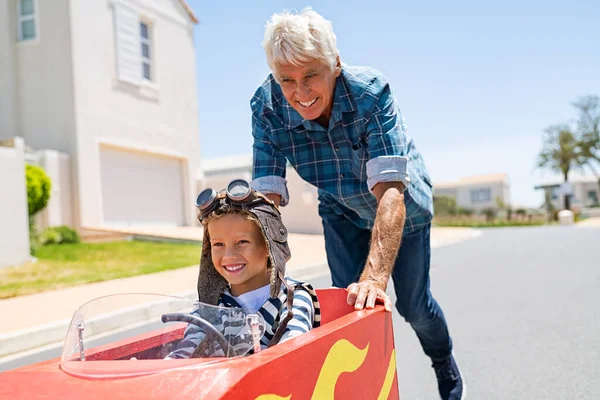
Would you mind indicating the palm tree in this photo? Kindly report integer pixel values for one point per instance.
(588, 129)
(561, 153)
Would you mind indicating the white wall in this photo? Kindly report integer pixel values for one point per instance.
(14, 229)
(8, 70)
(301, 215)
(156, 118)
(59, 209)
(44, 76)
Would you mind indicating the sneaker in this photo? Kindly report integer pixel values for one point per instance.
(450, 382)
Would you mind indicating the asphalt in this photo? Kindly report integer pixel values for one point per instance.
(522, 305)
(36, 324)
(24, 339)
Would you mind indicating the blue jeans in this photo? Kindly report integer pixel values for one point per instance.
(347, 249)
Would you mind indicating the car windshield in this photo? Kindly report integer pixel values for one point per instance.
(129, 333)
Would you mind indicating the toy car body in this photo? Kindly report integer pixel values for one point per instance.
(350, 356)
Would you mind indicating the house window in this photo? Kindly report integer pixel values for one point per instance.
(146, 42)
(26, 14)
(592, 198)
(481, 195)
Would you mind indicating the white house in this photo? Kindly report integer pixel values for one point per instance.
(476, 192)
(300, 215)
(583, 190)
(111, 86)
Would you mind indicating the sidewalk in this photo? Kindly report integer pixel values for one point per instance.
(590, 222)
(33, 320)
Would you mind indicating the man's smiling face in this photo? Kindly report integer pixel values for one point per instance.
(309, 88)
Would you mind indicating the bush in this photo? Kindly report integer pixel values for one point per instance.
(489, 213)
(68, 234)
(465, 211)
(59, 235)
(38, 188)
(444, 205)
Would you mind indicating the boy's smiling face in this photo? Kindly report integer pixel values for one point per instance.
(239, 252)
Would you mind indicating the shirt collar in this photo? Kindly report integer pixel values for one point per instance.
(342, 102)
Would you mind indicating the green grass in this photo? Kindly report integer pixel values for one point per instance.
(64, 265)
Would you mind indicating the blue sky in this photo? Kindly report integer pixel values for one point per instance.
(477, 81)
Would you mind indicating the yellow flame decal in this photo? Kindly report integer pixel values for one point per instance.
(389, 378)
(342, 357)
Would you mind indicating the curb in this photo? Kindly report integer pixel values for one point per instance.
(54, 333)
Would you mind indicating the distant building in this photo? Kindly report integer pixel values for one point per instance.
(476, 192)
(583, 189)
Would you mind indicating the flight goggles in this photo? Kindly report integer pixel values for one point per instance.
(238, 194)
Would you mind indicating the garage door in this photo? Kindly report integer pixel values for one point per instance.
(140, 189)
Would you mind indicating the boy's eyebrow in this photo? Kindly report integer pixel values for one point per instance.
(234, 234)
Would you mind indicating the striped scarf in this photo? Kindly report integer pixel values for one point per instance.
(232, 323)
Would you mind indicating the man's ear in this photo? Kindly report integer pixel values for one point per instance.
(338, 66)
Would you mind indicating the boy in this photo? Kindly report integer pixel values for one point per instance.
(244, 252)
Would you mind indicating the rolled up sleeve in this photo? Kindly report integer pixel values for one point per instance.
(387, 169)
(272, 184)
(268, 162)
(386, 143)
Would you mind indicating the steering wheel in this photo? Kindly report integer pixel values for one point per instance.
(211, 334)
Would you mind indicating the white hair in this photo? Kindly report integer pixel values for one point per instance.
(295, 39)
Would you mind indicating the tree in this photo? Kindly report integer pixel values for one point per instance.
(561, 152)
(588, 130)
(38, 194)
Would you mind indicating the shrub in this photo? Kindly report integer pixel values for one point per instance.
(465, 211)
(59, 235)
(68, 234)
(489, 213)
(50, 236)
(38, 188)
(444, 205)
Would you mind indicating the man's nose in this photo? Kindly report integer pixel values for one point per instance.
(303, 90)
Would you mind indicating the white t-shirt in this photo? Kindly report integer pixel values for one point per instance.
(252, 301)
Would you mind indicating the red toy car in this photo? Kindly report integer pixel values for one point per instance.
(111, 352)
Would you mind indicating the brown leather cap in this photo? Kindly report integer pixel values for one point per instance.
(210, 283)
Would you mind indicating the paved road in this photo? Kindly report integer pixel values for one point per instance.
(523, 306)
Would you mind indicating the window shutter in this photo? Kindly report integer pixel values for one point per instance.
(127, 33)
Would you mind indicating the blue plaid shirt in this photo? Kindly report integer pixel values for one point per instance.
(366, 143)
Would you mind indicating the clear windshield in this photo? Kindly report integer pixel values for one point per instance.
(126, 331)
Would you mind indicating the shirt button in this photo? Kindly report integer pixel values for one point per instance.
(337, 148)
(341, 176)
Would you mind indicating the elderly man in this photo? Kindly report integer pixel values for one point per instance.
(340, 128)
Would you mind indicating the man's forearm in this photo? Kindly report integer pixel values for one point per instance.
(386, 237)
(275, 198)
